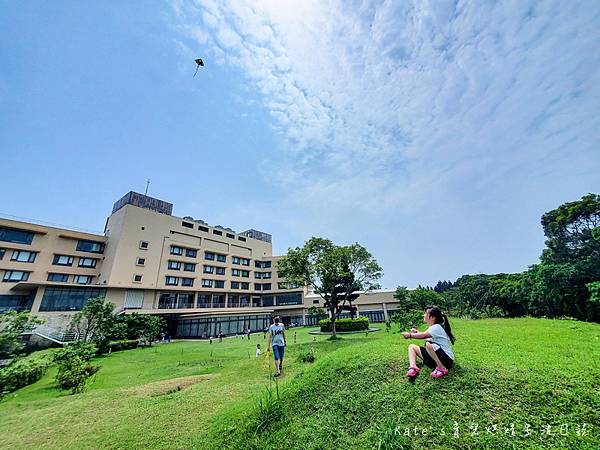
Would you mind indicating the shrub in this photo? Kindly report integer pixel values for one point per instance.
(74, 373)
(24, 371)
(307, 357)
(358, 324)
(407, 319)
(83, 350)
(126, 344)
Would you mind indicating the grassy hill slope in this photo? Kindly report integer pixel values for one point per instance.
(195, 395)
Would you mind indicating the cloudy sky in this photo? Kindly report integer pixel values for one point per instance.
(435, 133)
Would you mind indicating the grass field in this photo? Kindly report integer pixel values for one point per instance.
(524, 372)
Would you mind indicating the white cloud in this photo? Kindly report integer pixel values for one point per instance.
(388, 106)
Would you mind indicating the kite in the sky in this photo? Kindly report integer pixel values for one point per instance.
(199, 63)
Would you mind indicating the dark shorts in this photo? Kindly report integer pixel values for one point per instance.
(429, 362)
(278, 351)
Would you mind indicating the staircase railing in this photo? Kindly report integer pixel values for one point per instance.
(55, 335)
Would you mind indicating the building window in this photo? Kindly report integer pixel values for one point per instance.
(257, 264)
(62, 260)
(90, 247)
(187, 281)
(144, 245)
(208, 269)
(16, 236)
(222, 258)
(82, 279)
(266, 264)
(174, 265)
(220, 270)
(87, 262)
(220, 284)
(257, 286)
(2, 252)
(23, 256)
(245, 273)
(235, 260)
(258, 275)
(10, 302)
(189, 267)
(58, 277)
(207, 283)
(218, 233)
(235, 285)
(176, 250)
(245, 262)
(141, 261)
(187, 224)
(266, 286)
(315, 302)
(137, 278)
(171, 281)
(209, 255)
(243, 239)
(288, 299)
(230, 236)
(246, 286)
(191, 253)
(68, 298)
(266, 275)
(13, 276)
(236, 272)
(201, 228)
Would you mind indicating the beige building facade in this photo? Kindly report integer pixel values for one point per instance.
(205, 280)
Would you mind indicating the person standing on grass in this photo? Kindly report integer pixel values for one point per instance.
(277, 339)
(437, 352)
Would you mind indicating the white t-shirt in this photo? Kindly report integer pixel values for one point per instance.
(440, 337)
(258, 352)
(277, 334)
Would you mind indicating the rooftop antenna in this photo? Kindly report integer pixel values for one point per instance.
(147, 184)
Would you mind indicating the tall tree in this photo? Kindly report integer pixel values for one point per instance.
(95, 321)
(571, 229)
(336, 273)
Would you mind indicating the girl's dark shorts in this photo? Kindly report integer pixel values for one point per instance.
(429, 362)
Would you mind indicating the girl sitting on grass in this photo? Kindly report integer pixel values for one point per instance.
(437, 352)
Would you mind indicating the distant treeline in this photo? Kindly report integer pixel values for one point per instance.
(565, 283)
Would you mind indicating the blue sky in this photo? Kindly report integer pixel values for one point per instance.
(435, 133)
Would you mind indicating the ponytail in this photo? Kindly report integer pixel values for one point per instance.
(442, 319)
(446, 325)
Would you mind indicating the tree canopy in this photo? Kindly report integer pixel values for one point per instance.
(333, 272)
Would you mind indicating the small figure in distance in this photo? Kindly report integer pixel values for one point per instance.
(277, 339)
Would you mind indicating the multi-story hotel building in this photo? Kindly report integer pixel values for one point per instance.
(203, 279)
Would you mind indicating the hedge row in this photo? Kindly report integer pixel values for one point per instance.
(358, 324)
(24, 371)
(126, 344)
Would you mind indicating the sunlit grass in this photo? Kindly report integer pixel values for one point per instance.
(195, 395)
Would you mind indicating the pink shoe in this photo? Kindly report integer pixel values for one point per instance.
(412, 372)
(439, 372)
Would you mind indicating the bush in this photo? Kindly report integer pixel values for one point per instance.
(83, 350)
(307, 357)
(74, 373)
(408, 319)
(358, 324)
(25, 371)
(126, 344)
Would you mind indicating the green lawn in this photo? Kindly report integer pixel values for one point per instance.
(196, 395)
